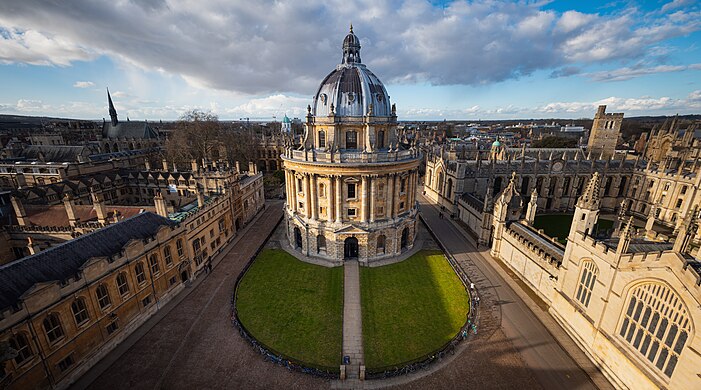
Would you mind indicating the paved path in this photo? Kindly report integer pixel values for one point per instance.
(352, 318)
(195, 346)
(541, 353)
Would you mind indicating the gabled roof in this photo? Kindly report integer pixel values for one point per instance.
(129, 129)
(55, 153)
(64, 261)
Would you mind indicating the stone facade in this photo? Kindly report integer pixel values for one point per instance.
(605, 132)
(351, 187)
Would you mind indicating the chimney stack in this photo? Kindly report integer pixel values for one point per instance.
(70, 209)
(19, 211)
(99, 205)
(160, 205)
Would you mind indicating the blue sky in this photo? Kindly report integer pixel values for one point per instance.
(438, 59)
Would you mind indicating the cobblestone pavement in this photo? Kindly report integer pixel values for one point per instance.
(195, 346)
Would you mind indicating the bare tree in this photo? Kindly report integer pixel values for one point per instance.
(197, 135)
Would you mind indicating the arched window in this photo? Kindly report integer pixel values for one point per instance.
(381, 244)
(320, 243)
(656, 324)
(122, 284)
(80, 311)
(586, 283)
(381, 139)
(167, 256)
(179, 247)
(53, 328)
(20, 344)
(351, 140)
(322, 139)
(153, 263)
(322, 190)
(140, 274)
(103, 296)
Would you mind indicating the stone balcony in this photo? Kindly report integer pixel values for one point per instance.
(352, 157)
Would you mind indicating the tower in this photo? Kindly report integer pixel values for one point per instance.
(586, 211)
(604, 133)
(351, 185)
(113, 112)
(286, 126)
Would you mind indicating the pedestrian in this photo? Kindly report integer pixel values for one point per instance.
(477, 301)
(472, 286)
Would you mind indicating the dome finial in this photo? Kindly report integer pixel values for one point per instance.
(351, 27)
(351, 48)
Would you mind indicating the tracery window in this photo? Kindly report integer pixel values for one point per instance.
(656, 324)
(586, 282)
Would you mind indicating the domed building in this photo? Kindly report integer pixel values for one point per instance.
(351, 186)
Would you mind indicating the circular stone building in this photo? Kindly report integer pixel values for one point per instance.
(351, 185)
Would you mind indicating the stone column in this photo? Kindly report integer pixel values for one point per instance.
(364, 199)
(307, 196)
(287, 190)
(294, 192)
(330, 209)
(373, 195)
(390, 196)
(339, 198)
(395, 205)
(314, 201)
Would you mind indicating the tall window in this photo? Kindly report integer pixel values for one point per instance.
(140, 274)
(402, 185)
(351, 140)
(80, 311)
(351, 190)
(381, 139)
(381, 244)
(322, 190)
(586, 283)
(103, 296)
(122, 284)
(656, 324)
(153, 263)
(322, 139)
(20, 344)
(179, 246)
(167, 256)
(53, 328)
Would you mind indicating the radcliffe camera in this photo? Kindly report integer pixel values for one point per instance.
(397, 194)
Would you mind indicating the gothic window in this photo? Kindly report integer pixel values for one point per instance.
(80, 311)
(351, 140)
(586, 282)
(103, 296)
(656, 324)
(322, 139)
(140, 274)
(122, 284)
(21, 345)
(53, 328)
(153, 263)
(351, 190)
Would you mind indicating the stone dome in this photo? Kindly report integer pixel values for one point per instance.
(351, 88)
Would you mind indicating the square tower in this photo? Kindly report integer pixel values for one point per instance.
(604, 133)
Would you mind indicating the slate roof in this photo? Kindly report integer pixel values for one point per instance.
(129, 129)
(56, 215)
(65, 260)
(55, 153)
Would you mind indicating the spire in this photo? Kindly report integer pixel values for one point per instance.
(113, 112)
(351, 48)
(590, 197)
(686, 232)
(532, 207)
(625, 237)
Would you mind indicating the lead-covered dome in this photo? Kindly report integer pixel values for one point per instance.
(351, 88)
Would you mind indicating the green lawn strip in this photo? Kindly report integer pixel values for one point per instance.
(410, 309)
(558, 225)
(293, 307)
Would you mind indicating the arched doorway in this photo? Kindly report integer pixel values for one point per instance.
(350, 248)
(405, 238)
(298, 239)
(183, 276)
(237, 223)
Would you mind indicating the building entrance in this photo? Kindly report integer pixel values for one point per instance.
(350, 248)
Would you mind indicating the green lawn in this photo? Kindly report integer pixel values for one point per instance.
(410, 308)
(293, 307)
(558, 225)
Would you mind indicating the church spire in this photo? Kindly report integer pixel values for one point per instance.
(113, 112)
(590, 197)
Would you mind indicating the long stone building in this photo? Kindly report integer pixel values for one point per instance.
(351, 186)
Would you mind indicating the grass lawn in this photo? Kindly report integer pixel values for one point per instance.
(293, 307)
(558, 225)
(410, 308)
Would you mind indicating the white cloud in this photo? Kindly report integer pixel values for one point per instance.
(267, 107)
(676, 4)
(262, 48)
(637, 71)
(83, 84)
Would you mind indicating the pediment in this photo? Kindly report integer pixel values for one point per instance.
(351, 229)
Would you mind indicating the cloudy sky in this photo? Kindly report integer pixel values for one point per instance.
(438, 59)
